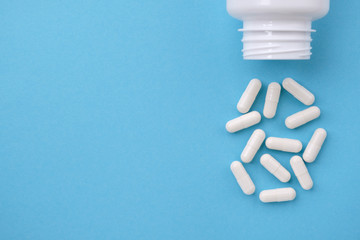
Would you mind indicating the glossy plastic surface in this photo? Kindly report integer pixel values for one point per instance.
(244, 121)
(298, 91)
(242, 177)
(275, 168)
(277, 29)
(277, 195)
(283, 144)
(248, 97)
(301, 172)
(314, 146)
(272, 100)
(300, 118)
(253, 145)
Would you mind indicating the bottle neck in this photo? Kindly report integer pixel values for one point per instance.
(277, 39)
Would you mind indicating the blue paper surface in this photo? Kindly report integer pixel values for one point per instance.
(113, 124)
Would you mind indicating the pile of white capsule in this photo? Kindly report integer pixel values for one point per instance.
(275, 143)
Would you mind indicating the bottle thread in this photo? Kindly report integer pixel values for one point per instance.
(277, 39)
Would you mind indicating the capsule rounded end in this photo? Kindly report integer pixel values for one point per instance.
(245, 157)
(289, 123)
(286, 177)
(269, 113)
(268, 142)
(299, 146)
(286, 81)
(310, 100)
(257, 83)
(321, 131)
(229, 127)
(234, 165)
(250, 191)
(260, 133)
(294, 160)
(308, 185)
(316, 110)
(257, 115)
(308, 157)
(242, 109)
(274, 85)
(262, 197)
(264, 158)
(292, 194)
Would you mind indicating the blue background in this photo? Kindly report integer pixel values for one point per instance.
(113, 124)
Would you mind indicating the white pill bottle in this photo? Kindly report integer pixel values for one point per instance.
(277, 29)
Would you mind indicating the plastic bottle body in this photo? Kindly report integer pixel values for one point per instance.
(277, 29)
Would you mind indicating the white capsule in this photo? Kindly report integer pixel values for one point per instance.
(242, 177)
(300, 118)
(298, 91)
(284, 144)
(272, 100)
(253, 145)
(275, 168)
(301, 172)
(314, 146)
(244, 121)
(277, 195)
(248, 97)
